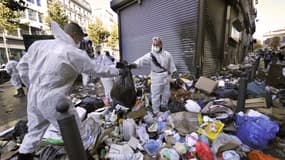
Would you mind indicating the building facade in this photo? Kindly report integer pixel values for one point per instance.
(32, 20)
(78, 11)
(202, 35)
(268, 37)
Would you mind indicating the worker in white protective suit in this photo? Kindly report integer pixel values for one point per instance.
(15, 77)
(162, 67)
(107, 82)
(51, 67)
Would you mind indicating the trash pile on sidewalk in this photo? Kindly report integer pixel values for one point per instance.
(204, 121)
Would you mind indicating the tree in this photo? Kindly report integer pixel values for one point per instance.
(97, 32)
(275, 43)
(56, 13)
(114, 38)
(10, 14)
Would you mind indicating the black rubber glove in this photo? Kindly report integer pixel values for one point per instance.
(132, 66)
(175, 75)
(120, 65)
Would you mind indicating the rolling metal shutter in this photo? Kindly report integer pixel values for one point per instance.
(175, 21)
(214, 36)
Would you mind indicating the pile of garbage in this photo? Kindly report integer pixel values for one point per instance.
(204, 121)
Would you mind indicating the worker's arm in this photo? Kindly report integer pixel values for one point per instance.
(8, 68)
(83, 64)
(23, 69)
(143, 61)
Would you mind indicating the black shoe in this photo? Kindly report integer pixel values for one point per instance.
(20, 93)
(28, 156)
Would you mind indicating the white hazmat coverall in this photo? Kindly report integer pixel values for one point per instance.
(13, 72)
(160, 80)
(51, 67)
(106, 81)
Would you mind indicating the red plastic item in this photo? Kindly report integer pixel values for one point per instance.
(203, 151)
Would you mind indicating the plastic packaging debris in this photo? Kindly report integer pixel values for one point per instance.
(180, 148)
(142, 134)
(52, 135)
(133, 143)
(148, 118)
(191, 139)
(177, 137)
(221, 83)
(253, 113)
(153, 127)
(152, 147)
(192, 106)
(169, 154)
(211, 130)
(119, 152)
(223, 140)
(129, 129)
(256, 132)
(184, 122)
(81, 112)
(231, 155)
(203, 151)
(255, 155)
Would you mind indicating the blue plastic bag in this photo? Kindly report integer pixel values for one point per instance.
(256, 132)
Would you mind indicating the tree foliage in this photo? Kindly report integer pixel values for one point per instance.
(97, 32)
(114, 37)
(56, 13)
(10, 14)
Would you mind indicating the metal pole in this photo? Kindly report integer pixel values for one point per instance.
(5, 45)
(70, 133)
(242, 93)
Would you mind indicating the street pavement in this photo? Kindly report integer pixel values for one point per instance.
(12, 108)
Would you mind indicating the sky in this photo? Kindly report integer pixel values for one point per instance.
(270, 16)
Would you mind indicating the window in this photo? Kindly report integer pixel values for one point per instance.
(32, 15)
(40, 17)
(39, 2)
(32, 1)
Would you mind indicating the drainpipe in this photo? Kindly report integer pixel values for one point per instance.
(200, 39)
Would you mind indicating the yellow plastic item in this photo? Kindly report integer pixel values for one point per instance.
(209, 131)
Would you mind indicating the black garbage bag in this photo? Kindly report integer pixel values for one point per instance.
(123, 91)
(176, 106)
(91, 103)
(19, 131)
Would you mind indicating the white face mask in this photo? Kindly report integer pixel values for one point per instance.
(155, 49)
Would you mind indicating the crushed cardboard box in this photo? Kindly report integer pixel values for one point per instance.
(205, 84)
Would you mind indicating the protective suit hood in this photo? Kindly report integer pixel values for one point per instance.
(60, 34)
